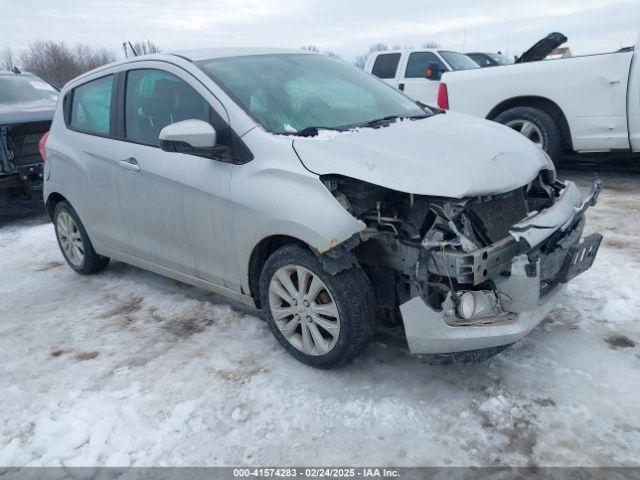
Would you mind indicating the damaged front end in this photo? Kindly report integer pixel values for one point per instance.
(472, 273)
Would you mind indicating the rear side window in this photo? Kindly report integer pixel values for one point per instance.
(419, 62)
(91, 106)
(386, 65)
(155, 99)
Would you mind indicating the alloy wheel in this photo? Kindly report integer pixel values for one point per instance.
(304, 310)
(70, 239)
(528, 129)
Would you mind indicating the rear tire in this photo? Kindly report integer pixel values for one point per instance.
(74, 242)
(550, 137)
(340, 308)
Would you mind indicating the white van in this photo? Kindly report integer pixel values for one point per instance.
(417, 72)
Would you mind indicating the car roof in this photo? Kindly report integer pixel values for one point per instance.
(212, 53)
(193, 56)
(403, 50)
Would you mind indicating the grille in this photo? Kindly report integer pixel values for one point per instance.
(496, 216)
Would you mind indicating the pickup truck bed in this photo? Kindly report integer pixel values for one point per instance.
(592, 102)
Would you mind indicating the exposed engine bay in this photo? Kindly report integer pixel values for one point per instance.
(458, 254)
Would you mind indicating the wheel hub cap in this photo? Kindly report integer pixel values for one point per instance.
(528, 129)
(304, 310)
(70, 239)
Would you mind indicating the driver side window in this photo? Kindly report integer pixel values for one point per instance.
(155, 99)
(419, 62)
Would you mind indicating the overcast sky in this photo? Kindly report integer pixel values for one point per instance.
(346, 27)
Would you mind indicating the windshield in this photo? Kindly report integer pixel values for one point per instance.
(287, 93)
(500, 59)
(17, 88)
(458, 61)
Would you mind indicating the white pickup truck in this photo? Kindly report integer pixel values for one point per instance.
(417, 72)
(584, 104)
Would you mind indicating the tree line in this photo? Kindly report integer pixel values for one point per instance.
(58, 62)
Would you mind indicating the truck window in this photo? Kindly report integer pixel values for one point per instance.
(386, 65)
(458, 61)
(418, 63)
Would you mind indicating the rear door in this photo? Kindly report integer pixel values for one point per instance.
(633, 100)
(88, 171)
(415, 82)
(176, 205)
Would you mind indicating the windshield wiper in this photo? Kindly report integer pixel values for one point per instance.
(313, 131)
(377, 122)
(380, 121)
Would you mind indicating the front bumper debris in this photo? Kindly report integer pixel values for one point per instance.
(529, 270)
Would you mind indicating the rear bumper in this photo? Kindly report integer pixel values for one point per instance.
(531, 289)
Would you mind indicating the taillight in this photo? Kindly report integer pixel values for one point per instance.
(443, 97)
(42, 146)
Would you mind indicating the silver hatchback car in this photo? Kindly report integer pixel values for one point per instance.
(299, 184)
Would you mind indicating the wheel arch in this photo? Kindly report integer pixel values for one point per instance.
(550, 107)
(54, 199)
(259, 255)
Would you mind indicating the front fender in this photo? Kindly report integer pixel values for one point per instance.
(274, 201)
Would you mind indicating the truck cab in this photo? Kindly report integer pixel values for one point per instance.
(417, 72)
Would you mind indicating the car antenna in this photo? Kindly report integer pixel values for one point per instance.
(135, 54)
(16, 70)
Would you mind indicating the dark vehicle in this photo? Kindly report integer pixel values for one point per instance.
(542, 48)
(489, 59)
(27, 104)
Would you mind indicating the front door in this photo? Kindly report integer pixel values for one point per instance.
(176, 205)
(416, 85)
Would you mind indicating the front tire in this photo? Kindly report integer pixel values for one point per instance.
(74, 242)
(321, 319)
(537, 126)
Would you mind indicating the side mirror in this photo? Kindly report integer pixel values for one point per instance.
(434, 71)
(194, 137)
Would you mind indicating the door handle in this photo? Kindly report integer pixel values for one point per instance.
(130, 164)
(401, 87)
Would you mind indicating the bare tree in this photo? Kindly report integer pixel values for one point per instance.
(315, 49)
(57, 63)
(376, 47)
(88, 58)
(6, 59)
(430, 44)
(145, 47)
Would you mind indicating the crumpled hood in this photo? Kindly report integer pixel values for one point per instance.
(447, 155)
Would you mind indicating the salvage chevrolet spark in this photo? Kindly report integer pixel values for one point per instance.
(301, 185)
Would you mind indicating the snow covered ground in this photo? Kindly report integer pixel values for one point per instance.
(129, 368)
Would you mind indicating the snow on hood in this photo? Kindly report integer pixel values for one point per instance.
(447, 155)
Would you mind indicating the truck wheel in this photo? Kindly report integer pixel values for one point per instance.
(537, 126)
(74, 241)
(321, 319)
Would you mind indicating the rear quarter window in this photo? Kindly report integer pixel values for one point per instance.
(386, 65)
(91, 106)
